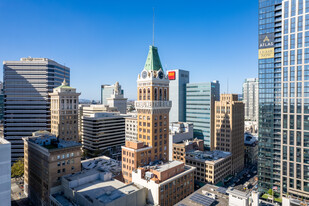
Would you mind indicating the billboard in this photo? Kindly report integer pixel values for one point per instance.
(266, 46)
(172, 75)
(266, 53)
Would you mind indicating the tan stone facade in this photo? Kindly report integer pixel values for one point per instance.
(229, 127)
(180, 149)
(211, 167)
(64, 113)
(46, 160)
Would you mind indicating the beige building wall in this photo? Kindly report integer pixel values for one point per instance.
(64, 112)
(229, 127)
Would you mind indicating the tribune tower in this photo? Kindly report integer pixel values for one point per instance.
(153, 108)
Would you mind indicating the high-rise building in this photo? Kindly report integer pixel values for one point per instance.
(283, 97)
(46, 160)
(178, 80)
(250, 97)
(117, 100)
(113, 96)
(27, 84)
(103, 133)
(64, 112)
(229, 129)
(180, 149)
(294, 99)
(145, 161)
(5, 172)
(269, 63)
(200, 101)
(152, 107)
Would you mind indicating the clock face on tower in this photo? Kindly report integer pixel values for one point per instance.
(161, 75)
(144, 74)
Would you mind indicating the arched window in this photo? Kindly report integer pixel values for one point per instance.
(156, 94)
(160, 94)
(140, 94)
(165, 94)
(148, 94)
(144, 94)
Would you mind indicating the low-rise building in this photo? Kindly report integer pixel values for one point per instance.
(167, 183)
(179, 132)
(180, 149)
(238, 198)
(103, 133)
(5, 172)
(251, 149)
(134, 154)
(46, 160)
(211, 166)
(211, 194)
(131, 126)
(96, 185)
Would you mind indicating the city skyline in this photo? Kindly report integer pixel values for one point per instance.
(93, 35)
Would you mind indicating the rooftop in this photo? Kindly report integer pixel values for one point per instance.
(212, 192)
(165, 166)
(250, 139)
(238, 193)
(106, 191)
(213, 156)
(50, 141)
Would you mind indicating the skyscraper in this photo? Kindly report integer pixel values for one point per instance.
(153, 108)
(250, 96)
(229, 134)
(178, 80)
(145, 160)
(269, 164)
(200, 101)
(64, 112)
(295, 102)
(26, 101)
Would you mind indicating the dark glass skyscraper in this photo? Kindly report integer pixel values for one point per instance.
(270, 16)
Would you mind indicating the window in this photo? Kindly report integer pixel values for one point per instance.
(299, 73)
(286, 42)
(306, 55)
(299, 40)
(292, 29)
(300, 23)
(299, 56)
(292, 43)
(292, 57)
(300, 6)
(286, 26)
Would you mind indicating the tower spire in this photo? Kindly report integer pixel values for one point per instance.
(153, 22)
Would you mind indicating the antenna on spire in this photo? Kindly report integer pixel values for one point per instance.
(227, 86)
(153, 22)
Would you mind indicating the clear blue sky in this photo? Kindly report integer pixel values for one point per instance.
(104, 41)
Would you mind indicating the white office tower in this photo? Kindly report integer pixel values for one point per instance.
(250, 92)
(117, 100)
(5, 172)
(26, 101)
(178, 80)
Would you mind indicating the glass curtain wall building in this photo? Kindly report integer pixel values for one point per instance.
(200, 101)
(270, 16)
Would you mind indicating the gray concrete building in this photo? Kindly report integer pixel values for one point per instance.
(26, 102)
(113, 96)
(177, 86)
(5, 172)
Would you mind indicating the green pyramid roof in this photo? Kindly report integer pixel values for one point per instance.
(153, 62)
